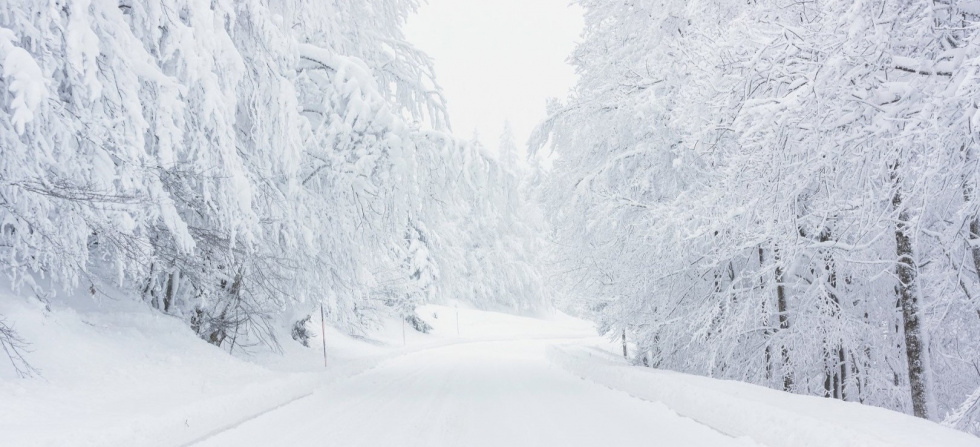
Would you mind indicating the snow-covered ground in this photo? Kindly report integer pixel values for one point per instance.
(117, 374)
(497, 393)
(768, 417)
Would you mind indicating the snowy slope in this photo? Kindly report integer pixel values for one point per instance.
(117, 373)
(767, 416)
(126, 376)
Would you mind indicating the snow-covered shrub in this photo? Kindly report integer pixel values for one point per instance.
(418, 324)
(301, 332)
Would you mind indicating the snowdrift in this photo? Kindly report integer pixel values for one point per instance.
(766, 416)
(116, 373)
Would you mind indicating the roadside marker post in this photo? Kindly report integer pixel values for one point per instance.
(323, 333)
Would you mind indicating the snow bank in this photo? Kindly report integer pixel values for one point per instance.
(764, 415)
(115, 373)
(126, 376)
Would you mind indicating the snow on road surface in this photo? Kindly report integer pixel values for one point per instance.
(496, 393)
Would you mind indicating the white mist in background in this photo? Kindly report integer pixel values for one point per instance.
(498, 61)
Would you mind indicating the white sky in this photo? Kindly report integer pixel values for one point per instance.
(498, 60)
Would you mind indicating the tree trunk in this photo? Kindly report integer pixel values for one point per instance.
(842, 364)
(828, 385)
(969, 193)
(974, 240)
(782, 309)
(909, 302)
(625, 353)
(766, 322)
(836, 367)
(171, 291)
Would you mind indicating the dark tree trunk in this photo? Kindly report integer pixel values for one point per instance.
(767, 323)
(836, 366)
(625, 353)
(828, 384)
(969, 195)
(782, 308)
(909, 302)
(842, 364)
(168, 298)
(974, 241)
(974, 235)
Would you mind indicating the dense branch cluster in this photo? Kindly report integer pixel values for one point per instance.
(237, 163)
(781, 192)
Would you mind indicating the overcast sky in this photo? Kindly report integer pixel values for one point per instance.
(498, 60)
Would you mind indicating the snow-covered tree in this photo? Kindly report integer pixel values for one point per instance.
(778, 192)
(235, 164)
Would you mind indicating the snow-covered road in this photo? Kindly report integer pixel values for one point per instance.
(489, 393)
(123, 376)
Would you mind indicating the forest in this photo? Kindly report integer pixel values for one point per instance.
(779, 192)
(236, 172)
(785, 193)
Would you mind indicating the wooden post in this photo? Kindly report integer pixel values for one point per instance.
(323, 334)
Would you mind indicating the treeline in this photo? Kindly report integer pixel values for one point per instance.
(780, 192)
(237, 163)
